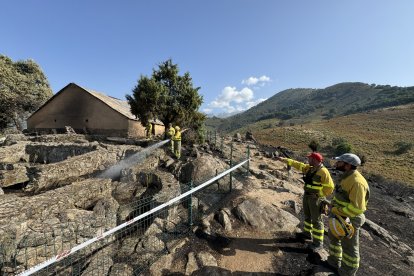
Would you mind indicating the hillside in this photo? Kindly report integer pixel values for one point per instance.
(304, 104)
(373, 134)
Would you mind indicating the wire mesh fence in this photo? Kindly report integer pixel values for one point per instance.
(131, 249)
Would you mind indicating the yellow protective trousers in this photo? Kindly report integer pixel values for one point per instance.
(313, 224)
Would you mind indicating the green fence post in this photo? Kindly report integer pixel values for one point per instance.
(215, 139)
(231, 165)
(190, 206)
(248, 162)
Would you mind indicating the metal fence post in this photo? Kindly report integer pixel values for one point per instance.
(215, 138)
(231, 165)
(190, 206)
(248, 162)
(221, 146)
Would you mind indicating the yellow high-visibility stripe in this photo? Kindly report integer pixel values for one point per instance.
(317, 236)
(336, 254)
(314, 187)
(307, 229)
(308, 223)
(336, 247)
(351, 259)
(353, 265)
(317, 230)
(327, 184)
(343, 203)
(354, 210)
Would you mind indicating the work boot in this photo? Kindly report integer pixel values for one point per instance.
(330, 266)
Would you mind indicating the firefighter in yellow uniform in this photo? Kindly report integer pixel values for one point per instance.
(318, 185)
(349, 203)
(170, 134)
(177, 142)
(148, 130)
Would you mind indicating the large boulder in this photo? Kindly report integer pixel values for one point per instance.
(264, 216)
(202, 169)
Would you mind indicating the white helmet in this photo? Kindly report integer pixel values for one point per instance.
(349, 158)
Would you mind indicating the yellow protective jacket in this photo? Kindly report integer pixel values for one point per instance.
(171, 132)
(177, 136)
(322, 182)
(351, 195)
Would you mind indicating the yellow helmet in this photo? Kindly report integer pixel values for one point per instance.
(340, 227)
(177, 128)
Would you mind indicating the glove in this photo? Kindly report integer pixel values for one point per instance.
(324, 208)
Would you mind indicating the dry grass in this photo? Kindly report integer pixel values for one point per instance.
(372, 134)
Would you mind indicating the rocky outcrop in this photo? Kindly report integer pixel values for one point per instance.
(33, 229)
(264, 216)
(12, 174)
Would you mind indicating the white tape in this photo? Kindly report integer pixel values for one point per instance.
(66, 253)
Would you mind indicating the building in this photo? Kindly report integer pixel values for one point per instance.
(88, 111)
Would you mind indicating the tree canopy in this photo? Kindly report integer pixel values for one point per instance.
(167, 96)
(23, 89)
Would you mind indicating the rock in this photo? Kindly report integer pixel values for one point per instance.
(366, 234)
(218, 271)
(249, 136)
(224, 219)
(264, 216)
(191, 264)
(161, 266)
(121, 269)
(292, 204)
(263, 166)
(18, 174)
(237, 137)
(387, 238)
(202, 169)
(100, 263)
(12, 139)
(169, 162)
(206, 259)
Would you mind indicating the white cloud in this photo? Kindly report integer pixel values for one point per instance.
(253, 103)
(254, 80)
(230, 94)
(207, 110)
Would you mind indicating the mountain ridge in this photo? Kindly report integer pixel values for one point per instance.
(298, 105)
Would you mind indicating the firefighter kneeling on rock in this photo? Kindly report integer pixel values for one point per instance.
(347, 216)
(318, 185)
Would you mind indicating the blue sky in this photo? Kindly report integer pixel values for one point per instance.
(239, 52)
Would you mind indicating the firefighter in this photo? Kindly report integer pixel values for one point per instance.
(149, 130)
(318, 185)
(349, 204)
(177, 142)
(170, 135)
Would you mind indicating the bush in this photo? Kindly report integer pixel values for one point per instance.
(402, 147)
(313, 145)
(343, 147)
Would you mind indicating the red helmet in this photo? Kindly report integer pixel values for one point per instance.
(316, 156)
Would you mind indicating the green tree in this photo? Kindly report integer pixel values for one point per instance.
(167, 96)
(23, 89)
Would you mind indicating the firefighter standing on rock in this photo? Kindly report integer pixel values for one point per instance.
(347, 216)
(318, 185)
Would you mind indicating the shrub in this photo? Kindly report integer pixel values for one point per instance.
(313, 145)
(343, 147)
(402, 147)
